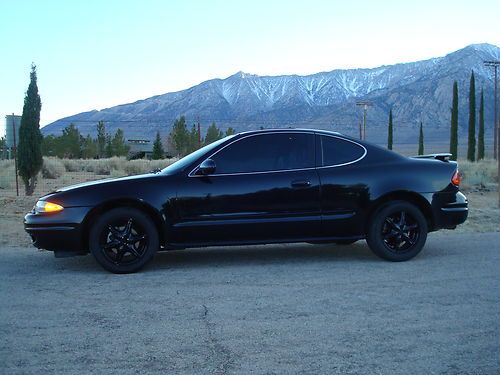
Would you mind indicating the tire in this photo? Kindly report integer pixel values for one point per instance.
(397, 231)
(123, 240)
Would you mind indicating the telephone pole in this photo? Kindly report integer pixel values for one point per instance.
(496, 127)
(199, 132)
(14, 151)
(365, 104)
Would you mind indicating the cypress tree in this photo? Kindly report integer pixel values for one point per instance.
(390, 130)
(480, 135)
(157, 148)
(421, 141)
(454, 123)
(30, 139)
(471, 146)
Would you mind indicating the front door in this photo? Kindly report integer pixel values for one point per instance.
(265, 188)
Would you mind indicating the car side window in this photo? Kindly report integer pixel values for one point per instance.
(267, 152)
(337, 151)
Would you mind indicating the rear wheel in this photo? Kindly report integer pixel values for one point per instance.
(123, 240)
(397, 231)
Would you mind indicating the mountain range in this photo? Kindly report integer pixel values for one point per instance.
(416, 92)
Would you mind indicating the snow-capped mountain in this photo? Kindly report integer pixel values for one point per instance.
(418, 91)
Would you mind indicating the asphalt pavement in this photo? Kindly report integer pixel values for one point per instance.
(278, 309)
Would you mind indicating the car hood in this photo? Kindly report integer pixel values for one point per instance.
(104, 181)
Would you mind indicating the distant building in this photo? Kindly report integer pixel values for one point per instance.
(12, 124)
(140, 148)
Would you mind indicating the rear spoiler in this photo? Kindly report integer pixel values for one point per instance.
(441, 156)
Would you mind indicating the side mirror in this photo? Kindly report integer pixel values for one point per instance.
(207, 167)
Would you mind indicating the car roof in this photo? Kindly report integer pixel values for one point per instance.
(294, 130)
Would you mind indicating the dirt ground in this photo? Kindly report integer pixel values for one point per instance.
(484, 216)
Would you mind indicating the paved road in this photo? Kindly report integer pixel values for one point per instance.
(263, 310)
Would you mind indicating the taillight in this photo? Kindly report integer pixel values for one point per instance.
(457, 178)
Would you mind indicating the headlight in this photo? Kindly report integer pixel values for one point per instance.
(44, 206)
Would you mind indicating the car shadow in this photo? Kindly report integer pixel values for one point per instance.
(262, 255)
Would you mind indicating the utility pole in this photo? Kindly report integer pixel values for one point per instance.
(495, 65)
(14, 150)
(199, 132)
(496, 127)
(365, 104)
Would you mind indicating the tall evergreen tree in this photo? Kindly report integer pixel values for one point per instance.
(390, 131)
(213, 134)
(30, 139)
(108, 149)
(71, 142)
(230, 131)
(101, 139)
(89, 147)
(118, 144)
(421, 140)
(158, 152)
(471, 145)
(454, 123)
(194, 139)
(180, 136)
(480, 135)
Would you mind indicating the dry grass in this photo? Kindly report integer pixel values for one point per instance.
(57, 172)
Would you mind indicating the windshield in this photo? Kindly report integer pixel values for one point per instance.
(192, 157)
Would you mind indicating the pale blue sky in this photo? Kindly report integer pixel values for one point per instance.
(95, 54)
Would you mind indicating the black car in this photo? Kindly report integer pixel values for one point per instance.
(267, 186)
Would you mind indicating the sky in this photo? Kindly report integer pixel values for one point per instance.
(95, 54)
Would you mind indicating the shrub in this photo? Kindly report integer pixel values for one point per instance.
(52, 168)
(7, 174)
(72, 165)
(481, 173)
(137, 166)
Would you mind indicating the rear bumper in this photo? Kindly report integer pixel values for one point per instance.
(450, 209)
(60, 232)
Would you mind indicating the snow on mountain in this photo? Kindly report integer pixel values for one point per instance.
(418, 91)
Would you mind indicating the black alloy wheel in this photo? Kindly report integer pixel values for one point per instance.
(123, 240)
(397, 231)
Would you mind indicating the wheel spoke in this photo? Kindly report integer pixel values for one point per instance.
(114, 231)
(402, 221)
(111, 244)
(137, 238)
(390, 235)
(134, 251)
(391, 222)
(408, 239)
(128, 228)
(119, 255)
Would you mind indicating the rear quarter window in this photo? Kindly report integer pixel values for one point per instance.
(338, 151)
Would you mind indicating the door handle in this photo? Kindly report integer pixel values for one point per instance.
(301, 183)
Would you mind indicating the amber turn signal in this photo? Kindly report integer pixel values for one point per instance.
(44, 206)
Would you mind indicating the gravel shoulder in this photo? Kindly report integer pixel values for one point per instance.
(280, 309)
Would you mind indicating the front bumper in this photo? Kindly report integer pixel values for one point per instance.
(450, 209)
(59, 232)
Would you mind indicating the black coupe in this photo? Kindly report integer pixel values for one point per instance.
(267, 186)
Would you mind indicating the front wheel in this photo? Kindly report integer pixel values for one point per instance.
(123, 240)
(397, 231)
